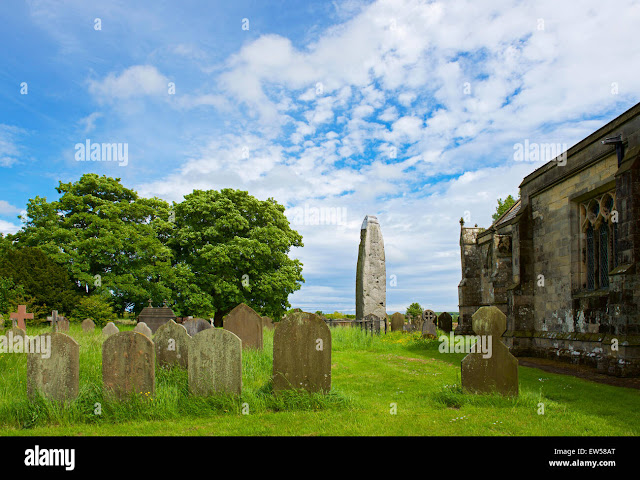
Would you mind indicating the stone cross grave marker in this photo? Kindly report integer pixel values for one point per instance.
(302, 354)
(128, 366)
(20, 316)
(215, 363)
(172, 345)
(429, 316)
(57, 377)
(498, 372)
(246, 324)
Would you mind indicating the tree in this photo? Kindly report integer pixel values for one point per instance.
(39, 277)
(414, 310)
(234, 248)
(503, 206)
(110, 240)
(94, 307)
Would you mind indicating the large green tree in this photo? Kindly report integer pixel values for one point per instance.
(234, 248)
(111, 241)
(503, 206)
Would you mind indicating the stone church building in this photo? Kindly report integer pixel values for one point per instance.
(562, 263)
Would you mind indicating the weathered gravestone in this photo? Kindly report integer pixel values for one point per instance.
(20, 316)
(142, 328)
(154, 317)
(430, 316)
(429, 329)
(397, 322)
(497, 373)
(58, 322)
(172, 345)
(196, 325)
(54, 374)
(215, 363)
(371, 277)
(128, 366)
(110, 329)
(374, 324)
(246, 324)
(88, 325)
(302, 354)
(267, 323)
(445, 322)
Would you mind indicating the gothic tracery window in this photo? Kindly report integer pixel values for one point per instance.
(599, 225)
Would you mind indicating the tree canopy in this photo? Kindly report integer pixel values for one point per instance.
(503, 206)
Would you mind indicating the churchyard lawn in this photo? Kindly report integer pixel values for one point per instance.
(394, 384)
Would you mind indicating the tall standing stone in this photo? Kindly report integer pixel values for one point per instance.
(128, 365)
(499, 372)
(445, 322)
(215, 363)
(172, 345)
(57, 377)
(397, 322)
(371, 275)
(302, 354)
(246, 324)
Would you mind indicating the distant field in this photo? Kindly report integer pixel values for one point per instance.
(396, 384)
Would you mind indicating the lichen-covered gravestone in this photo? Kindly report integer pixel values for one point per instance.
(110, 329)
(397, 322)
(172, 345)
(57, 377)
(215, 363)
(302, 354)
(429, 329)
(128, 366)
(445, 322)
(88, 325)
(371, 277)
(246, 324)
(497, 373)
(142, 328)
(196, 325)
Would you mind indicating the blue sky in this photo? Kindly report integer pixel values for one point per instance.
(404, 109)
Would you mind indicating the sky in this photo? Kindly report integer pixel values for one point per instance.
(403, 109)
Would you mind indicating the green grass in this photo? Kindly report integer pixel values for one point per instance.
(398, 384)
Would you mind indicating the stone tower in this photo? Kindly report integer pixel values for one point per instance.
(371, 276)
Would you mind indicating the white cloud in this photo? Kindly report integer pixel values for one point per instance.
(135, 81)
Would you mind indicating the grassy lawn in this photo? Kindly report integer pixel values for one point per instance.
(396, 384)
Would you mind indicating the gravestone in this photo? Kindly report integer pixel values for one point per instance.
(128, 365)
(429, 329)
(154, 317)
(430, 316)
(445, 322)
(20, 316)
(371, 277)
(267, 323)
(15, 331)
(196, 325)
(215, 363)
(142, 328)
(56, 378)
(62, 325)
(397, 322)
(172, 345)
(302, 354)
(374, 324)
(246, 324)
(88, 325)
(110, 329)
(499, 372)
